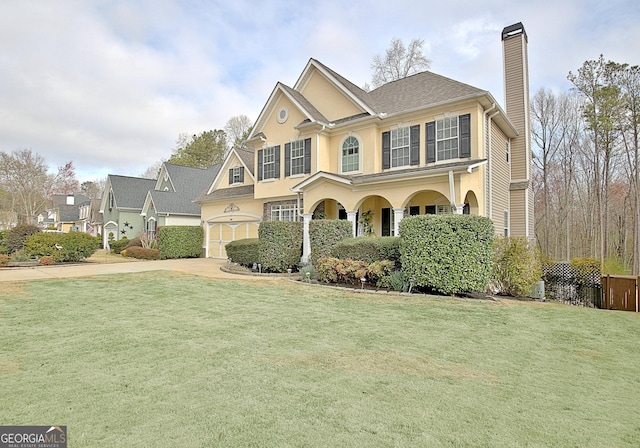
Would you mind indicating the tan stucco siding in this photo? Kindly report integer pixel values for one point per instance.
(215, 211)
(232, 162)
(330, 102)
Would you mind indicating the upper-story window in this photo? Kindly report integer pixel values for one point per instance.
(350, 154)
(269, 162)
(297, 157)
(449, 138)
(236, 175)
(401, 147)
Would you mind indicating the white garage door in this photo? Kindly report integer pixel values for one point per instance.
(224, 232)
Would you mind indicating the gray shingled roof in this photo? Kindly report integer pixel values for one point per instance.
(189, 183)
(247, 158)
(130, 192)
(418, 91)
(227, 193)
(174, 203)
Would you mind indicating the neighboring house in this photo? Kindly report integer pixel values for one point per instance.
(131, 205)
(121, 206)
(90, 217)
(170, 203)
(421, 145)
(64, 214)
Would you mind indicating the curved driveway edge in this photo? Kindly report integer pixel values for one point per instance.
(205, 267)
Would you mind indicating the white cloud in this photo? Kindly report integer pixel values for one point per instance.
(111, 85)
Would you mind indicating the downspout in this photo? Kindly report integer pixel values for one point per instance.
(490, 166)
(486, 152)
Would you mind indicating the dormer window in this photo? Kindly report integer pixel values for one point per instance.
(236, 175)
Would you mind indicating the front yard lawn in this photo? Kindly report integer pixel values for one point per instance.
(168, 360)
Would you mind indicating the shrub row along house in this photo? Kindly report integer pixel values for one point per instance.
(325, 148)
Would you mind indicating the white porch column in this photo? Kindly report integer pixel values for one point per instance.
(398, 215)
(206, 239)
(351, 217)
(306, 241)
(458, 209)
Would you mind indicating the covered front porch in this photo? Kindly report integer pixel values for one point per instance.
(375, 205)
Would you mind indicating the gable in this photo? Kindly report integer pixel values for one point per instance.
(164, 180)
(236, 159)
(333, 102)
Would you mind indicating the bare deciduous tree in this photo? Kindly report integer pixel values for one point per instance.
(399, 62)
(237, 130)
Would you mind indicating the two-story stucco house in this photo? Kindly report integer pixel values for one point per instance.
(425, 144)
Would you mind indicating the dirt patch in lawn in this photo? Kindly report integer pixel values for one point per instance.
(388, 362)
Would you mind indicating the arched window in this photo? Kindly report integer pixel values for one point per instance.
(350, 155)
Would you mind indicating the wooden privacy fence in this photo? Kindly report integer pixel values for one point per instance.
(620, 292)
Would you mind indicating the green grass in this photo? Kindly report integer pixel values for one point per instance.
(162, 360)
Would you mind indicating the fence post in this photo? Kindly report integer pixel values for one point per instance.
(637, 281)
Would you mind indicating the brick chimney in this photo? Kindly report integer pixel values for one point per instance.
(516, 84)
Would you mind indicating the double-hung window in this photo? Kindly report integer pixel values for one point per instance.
(297, 157)
(269, 163)
(447, 138)
(401, 147)
(400, 154)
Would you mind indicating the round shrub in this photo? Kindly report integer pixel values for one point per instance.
(516, 266)
(4, 260)
(244, 252)
(117, 245)
(17, 236)
(46, 260)
(141, 253)
(134, 242)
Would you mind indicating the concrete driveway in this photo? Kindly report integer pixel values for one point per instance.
(206, 267)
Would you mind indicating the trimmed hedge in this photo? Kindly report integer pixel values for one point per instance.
(180, 241)
(141, 253)
(74, 246)
(244, 252)
(325, 234)
(448, 254)
(280, 245)
(368, 249)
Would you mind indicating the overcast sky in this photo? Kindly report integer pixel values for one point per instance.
(110, 85)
